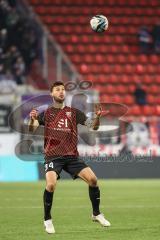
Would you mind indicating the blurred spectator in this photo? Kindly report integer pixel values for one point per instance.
(12, 18)
(11, 57)
(145, 40)
(7, 83)
(140, 95)
(19, 70)
(156, 37)
(3, 39)
(12, 3)
(1, 61)
(20, 43)
(29, 46)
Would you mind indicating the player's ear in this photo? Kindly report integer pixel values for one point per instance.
(51, 94)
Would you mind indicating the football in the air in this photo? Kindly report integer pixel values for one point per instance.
(99, 23)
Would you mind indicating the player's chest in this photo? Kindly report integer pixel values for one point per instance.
(60, 120)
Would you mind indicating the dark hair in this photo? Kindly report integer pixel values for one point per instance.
(55, 84)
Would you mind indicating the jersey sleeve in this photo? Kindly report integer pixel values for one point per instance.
(41, 118)
(80, 117)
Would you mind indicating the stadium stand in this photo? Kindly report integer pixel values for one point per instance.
(112, 60)
(19, 44)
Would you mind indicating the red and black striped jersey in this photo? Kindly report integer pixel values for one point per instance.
(60, 130)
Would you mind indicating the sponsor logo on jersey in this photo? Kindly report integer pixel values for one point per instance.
(68, 114)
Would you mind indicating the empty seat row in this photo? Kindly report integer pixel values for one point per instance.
(51, 18)
(114, 68)
(134, 109)
(123, 78)
(110, 89)
(129, 99)
(147, 110)
(121, 59)
(86, 29)
(132, 3)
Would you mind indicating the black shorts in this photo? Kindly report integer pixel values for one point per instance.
(71, 164)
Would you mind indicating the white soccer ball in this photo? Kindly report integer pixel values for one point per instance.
(99, 23)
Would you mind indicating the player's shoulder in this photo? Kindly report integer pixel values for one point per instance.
(49, 109)
(74, 110)
(68, 108)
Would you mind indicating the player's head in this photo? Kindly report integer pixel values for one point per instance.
(58, 91)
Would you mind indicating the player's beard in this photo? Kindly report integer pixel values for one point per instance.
(58, 100)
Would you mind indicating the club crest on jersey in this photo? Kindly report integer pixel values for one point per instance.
(68, 114)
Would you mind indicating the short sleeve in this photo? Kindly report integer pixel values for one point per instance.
(41, 118)
(80, 117)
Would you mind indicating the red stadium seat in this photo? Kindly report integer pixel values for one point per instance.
(121, 89)
(90, 77)
(157, 79)
(129, 99)
(143, 59)
(110, 58)
(147, 79)
(106, 69)
(99, 59)
(118, 39)
(40, 9)
(63, 39)
(129, 69)
(132, 59)
(135, 79)
(126, 79)
(131, 88)
(148, 110)
(113, 79)
(46, 2)
(117, 99)
(70, 49)
(134, 110)
(34, 1)
(151, 99)
(153, 89)
(110, 89)
(81, 49)
(85, 39)
(76, 58)
(118, 69)
(157, 110)
(84, 68)
(150, 69)
(154, 59)
(105, 98)
(74, 39)
(102, 78)
(121, 58)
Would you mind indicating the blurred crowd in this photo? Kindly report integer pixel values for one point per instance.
(150, 40)
(18, 43)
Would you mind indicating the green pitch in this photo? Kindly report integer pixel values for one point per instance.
(132, 207)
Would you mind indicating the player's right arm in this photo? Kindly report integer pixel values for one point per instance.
(33, 122)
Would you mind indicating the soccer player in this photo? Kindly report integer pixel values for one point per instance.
(60, 148)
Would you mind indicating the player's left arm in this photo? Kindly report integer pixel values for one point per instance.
(90, 122)
(98, 113)
(94, 123)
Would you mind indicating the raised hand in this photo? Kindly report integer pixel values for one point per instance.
(33, 114)
(98, 109)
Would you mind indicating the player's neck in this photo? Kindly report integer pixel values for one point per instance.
(58, 105)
